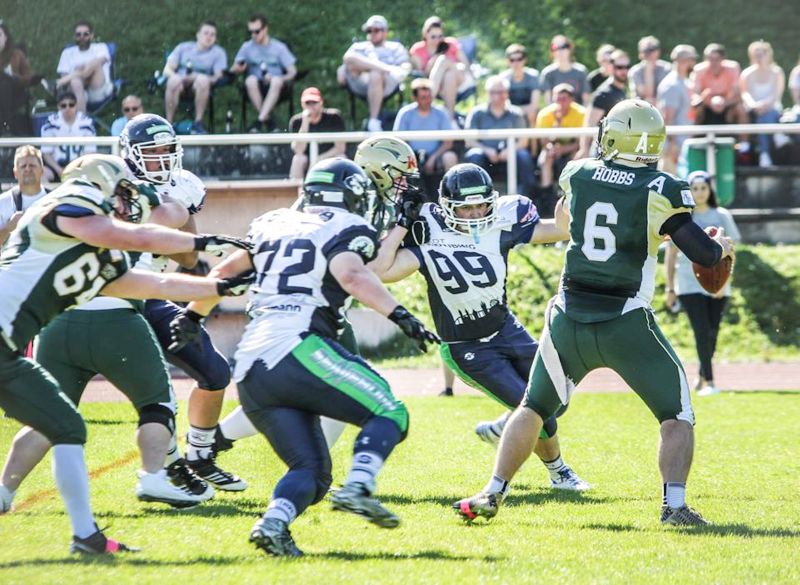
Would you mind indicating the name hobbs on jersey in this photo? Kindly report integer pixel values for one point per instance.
(616, 176)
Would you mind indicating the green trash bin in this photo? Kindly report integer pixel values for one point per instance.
(725, 175)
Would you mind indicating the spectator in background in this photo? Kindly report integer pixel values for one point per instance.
(269, 64)
(555, 153)
(314, 118)
(131, 106)
(612, 91)
(194, 66)
(68, 121)
(435, 157)
(374, 68)
(491, 154)
(675, 100)
(762, 85)
(794, 84)
(703, 309)
(523, 82)
(604, 67)
(650, 71)
(441, 60)
(563, 69)
(16, 77)
(716, 98)
(85, 68)
(28, 170)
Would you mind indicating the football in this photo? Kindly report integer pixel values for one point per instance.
(713, 278)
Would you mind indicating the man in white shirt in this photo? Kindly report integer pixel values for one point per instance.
(28, 169)
(85, 68)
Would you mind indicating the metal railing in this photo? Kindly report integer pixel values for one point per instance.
(511, 137)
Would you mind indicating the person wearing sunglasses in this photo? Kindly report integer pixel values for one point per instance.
(67, 121)
(604, 67)
(194, 66)
(612, 91)
(269, 65)
(523, 82)
(564, 69)
(85, 68)
(650, 71)
(374, 68)
(131, 107)
(314, 118)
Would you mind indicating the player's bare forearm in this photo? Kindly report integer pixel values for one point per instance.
(547, 231)
(237, 263)
(187, 260)
(136, 284)
(562, 215)
(104, 232)
(388, 251)
(170, 214)
(361, 283)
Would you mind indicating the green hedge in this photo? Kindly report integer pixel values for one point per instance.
(761, 322)
(320, 32)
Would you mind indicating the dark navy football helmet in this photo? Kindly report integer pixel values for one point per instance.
(339, 182)
(142, 136)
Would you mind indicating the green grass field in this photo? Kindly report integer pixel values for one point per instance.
(745, 480)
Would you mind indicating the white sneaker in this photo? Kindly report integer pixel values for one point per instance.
(374, 125)
(764, 160)
(488, 432)
(156, 487)
(6, 499)
(780, 139)
(709, 390)
(568, 480)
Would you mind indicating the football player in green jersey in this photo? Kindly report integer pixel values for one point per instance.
(63, 253)
(618, 209)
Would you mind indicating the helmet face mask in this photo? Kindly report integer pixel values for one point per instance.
(339, 182)
(391, 164)
(108, 174)
(633, 130)
(467, 185)
(151, 148)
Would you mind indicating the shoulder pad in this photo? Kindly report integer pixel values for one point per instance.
(187, 189)
(676, 190)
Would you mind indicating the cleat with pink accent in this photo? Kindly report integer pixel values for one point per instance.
(98, 544)
(481, 505)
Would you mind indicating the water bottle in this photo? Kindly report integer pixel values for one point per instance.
(263, 68)
(228, 121)
(422, 158)
(189, 68)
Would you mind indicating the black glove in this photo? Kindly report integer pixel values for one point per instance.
(236, 285)
(409, 206)
(184, 329)
(413, 327)
(218, 244)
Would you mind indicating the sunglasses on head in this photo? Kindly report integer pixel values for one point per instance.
(65, 105)
(255, 31)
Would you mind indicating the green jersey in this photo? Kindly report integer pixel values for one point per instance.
(616, 214)
(44, 272)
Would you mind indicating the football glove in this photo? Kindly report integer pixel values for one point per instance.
(413, 327)
(216, 245)
(236, 286)
(409, 206)
(184, 329)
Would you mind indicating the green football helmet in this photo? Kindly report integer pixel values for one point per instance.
(109, 174)
(391, 165)
(632, 130)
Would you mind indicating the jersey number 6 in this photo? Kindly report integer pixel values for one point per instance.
(599, 243)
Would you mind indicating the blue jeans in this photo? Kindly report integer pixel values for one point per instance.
(768, 117)
(524, 167)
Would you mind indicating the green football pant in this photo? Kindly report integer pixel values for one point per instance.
(30, 395)
(632, 345)
(117, 343)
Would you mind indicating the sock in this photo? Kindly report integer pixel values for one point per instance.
(282, 509)
(173, 453)
(497, 485)
(366, 466)
(332, 429)
(674, 494)
(6, 498)
(200, 442)
(554, 466)
(72, 479)
(237, 426)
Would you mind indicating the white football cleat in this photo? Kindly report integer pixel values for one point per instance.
(708, 390)
(156, 487)
(6, 499)
(488, 432)
(568, 480)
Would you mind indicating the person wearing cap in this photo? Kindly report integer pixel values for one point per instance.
(650, 71)
(555, 153)
(435, 156)
(523, 82)
(314, 118)
(374, 68)
(67, 121)
(612, 91)
(682, 289)
(675, 100)
(564, 69)
(269, 65)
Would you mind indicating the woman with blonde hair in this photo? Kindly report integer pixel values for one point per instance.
(442, 60)
(564, 69)
(762, 86)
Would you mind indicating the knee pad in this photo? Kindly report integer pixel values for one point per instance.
(157, 413)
